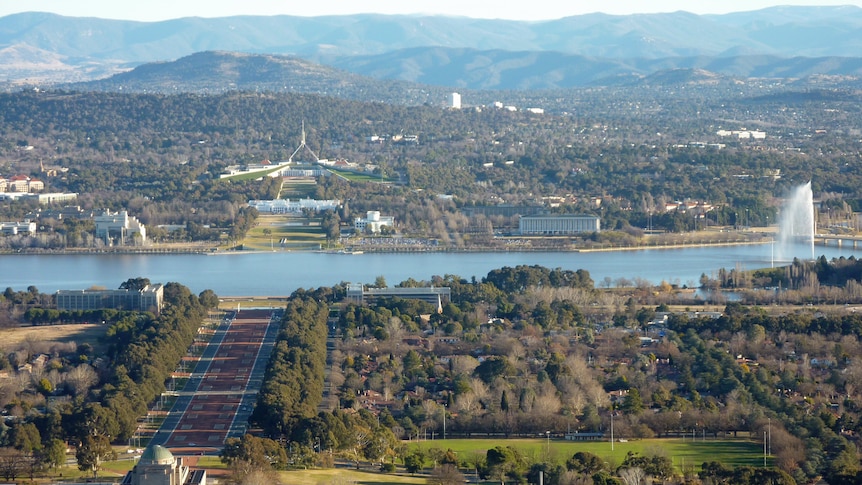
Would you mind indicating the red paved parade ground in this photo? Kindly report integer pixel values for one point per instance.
(217, 395)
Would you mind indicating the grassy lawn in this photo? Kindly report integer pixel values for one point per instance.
(295, 232)
(684, 453)
(258, 302)
(360, 177)
(252, 176)
(78, 333)
(300, 188)
(345, 476)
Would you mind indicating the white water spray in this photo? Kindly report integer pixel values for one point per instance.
(796, 222)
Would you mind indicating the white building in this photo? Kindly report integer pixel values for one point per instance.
(120, 225)
(558, 224)
(373, 222)
(13, 228)
(455, 101)
(284, 206)
(263, 168)
(743, 134)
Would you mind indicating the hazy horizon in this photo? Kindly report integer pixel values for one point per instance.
(157, 10)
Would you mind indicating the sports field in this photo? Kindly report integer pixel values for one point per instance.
(684, 453)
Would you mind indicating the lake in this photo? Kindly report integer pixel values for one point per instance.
(280, 273)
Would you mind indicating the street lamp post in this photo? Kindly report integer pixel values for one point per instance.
(612, 428)
(548, 435)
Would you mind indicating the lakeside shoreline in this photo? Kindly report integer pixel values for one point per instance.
(357, 250)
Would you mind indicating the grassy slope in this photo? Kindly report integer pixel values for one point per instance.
(282, 227)
(684, 453)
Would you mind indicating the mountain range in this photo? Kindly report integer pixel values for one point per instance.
(456, 52)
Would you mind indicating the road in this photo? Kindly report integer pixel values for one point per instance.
(220, 394)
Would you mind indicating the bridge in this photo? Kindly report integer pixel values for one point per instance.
(837, 240)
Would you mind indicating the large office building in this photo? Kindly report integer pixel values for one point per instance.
(119, 225)
(435, 295)
(150, 298)
(284, 206)
(455, 101)
(558, 224)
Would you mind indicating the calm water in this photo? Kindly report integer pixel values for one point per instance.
(280, 273)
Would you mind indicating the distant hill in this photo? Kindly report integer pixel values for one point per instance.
(496, 69)
(452, 51)
(217, 72)
(432, 73)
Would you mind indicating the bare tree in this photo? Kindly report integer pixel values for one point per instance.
(81, 378)
(467, 402)
(632, 476)
(13, 463)
(258, 477)
(464, 364)
(547, 403)
(447, 475)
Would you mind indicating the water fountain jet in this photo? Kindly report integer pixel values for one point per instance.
(796, 223)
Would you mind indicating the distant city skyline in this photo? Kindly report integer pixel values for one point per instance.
(154, 10)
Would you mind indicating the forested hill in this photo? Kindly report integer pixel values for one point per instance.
(217, 72)
(428, 74)
(786, 42)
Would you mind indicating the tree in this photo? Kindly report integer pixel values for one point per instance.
(502, 462)
(135, 284)
(92, 452)
(414, 461)
(53, 454)
(493, 367)
(632, 476)
(632, 403)
(447, 475)
(208, 299)
(13, 462)
(25, 437)
(259, 453)
(586, 463)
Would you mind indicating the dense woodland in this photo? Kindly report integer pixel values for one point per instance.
(157, 155)
(528, 349)
(90, 397)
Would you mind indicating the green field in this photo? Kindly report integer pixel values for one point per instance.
(252, 176)
(360, 177)
(683, 453)
(298, 188)
(298, 233)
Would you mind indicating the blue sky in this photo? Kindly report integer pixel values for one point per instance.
(150, 10)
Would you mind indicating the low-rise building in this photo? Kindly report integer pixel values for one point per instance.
(435, 295)
(119, 225)
(25, 184)
(558, 224)
(373, 222)
(149, 298)
(13, 228)
(284, 206)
